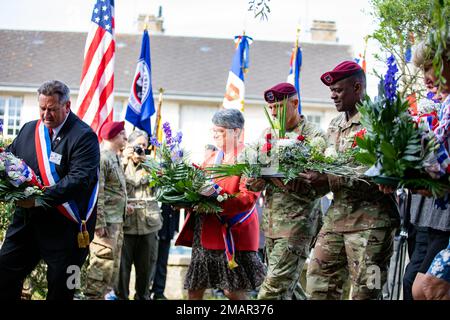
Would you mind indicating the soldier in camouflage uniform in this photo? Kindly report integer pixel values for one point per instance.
(291, 212)
(105, 248)
(140, 228)
(357, 234)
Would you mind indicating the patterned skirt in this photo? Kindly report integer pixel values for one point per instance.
(440, 267)
(209, 268)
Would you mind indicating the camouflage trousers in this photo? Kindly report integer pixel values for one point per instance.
(104, 262)
(284, 266)
(363, 254)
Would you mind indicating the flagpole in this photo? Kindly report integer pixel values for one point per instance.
(297, 37)
(158, 118)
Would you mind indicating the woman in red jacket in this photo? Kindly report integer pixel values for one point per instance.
(224, 247)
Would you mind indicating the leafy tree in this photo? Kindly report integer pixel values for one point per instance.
(260, 8)
(438, 38)
(401, 23)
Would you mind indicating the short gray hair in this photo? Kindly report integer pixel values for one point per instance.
(136, 134)
(229, 118)
(424, 53)
(52, 87)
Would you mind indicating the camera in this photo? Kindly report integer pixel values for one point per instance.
(138, 150)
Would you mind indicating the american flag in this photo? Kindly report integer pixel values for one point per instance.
(95, 99)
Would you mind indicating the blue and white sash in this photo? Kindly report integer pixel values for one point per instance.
(50, 177)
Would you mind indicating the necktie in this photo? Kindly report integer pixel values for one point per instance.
(50, 131)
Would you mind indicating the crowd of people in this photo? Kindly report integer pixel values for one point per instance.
(344, 244)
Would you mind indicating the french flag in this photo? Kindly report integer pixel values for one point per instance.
(235, 89)
(294, 72)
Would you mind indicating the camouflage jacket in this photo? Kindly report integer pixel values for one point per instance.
(289, 209)
(146, 217)
(357, 205)
(112, 193)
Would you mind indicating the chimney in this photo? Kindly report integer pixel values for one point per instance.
(154, 23)
(324, 31)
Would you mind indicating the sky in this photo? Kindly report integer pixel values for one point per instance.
(204, 18)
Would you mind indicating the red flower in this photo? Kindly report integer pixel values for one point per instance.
(268, 137)
(300, 138)
(360, 134)
(266, 148)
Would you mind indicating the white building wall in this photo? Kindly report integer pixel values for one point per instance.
(30, 109)
(196, 125)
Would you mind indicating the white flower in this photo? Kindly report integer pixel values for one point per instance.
(249, 155)
(29, 191)
(427, 106)
(318, 143)
(222, 197)
(13, 175)
(291, 135)
(285, 142)
(330, 152)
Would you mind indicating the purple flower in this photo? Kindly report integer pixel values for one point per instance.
(430, 96)
(1, 126)
(390, 82)
(178, 137)
(180, 154)
(154, 142)
(408, 54)
(167, 132)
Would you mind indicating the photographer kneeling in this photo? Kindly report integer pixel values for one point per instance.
(140, 246)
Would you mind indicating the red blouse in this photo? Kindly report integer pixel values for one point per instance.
(245, 234)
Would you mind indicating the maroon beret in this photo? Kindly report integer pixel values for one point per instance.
(279, 92)
(341, 71)
(111, 129)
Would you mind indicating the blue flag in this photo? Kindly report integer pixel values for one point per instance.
(294, 73)
(140, 104)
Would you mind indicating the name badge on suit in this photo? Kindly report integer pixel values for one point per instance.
(55, 158)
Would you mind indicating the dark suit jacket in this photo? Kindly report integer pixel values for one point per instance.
(79, 147)
(170, 224)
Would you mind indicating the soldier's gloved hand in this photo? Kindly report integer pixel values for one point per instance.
(255, 184)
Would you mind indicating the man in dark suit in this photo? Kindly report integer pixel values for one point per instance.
(43, 231)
